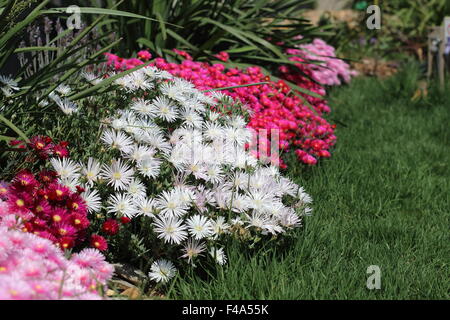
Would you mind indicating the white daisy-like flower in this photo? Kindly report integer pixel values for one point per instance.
(117, 140)
(236, 136)
(149, 167)
(70, 182)
(286, 186)
(121, 205)
(237, 221)
(241, 180)
(171, 204)
(257, 219)
(214, 174)
(162, 271)
(307, 211)
(218, 255)
(9, 83)
(213, 131)
(260, 201)
(192, 119)
(65, 168)
(90, 77)
(239, 203)
(237, 122)
(289, 219)
(213, 116)
(220, 226)
(145, 206)
(122, 82)
(119, 124)
(193, 249)
(165, 109)
(199, 227)
(152, 72)
(92, 199)
(165, 75)
(91, 171)
(63, 89)
(172, 91)
(136, 189)
(144, 108)
(67, 106)
(118, 174)
(137, 80)
(170, 229)
(303, 197)
(185, 194)
(140, 153)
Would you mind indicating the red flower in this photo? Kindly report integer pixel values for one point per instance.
(66, 243)
(59, 215)
(47, 176)
(79, 221)
(99, 242)
(125, 220)
(61, 151)
(110, 227)
(80, 189)
(41, 207)
(42, 146)
(58, 192)
(25, 179)
(76, 204)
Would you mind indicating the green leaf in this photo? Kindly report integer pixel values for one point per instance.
(103, 11)
(30, 49)
(14, 128)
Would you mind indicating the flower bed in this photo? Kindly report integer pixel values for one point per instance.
(273, 105)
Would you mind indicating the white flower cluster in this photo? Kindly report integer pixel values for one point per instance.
(216, 188)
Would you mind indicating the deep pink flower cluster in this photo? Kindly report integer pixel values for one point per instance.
(34, 268)
(43, 147)
(48, 209)
(331, 71)
(274, 105)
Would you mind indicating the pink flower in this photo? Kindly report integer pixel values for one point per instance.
(33, 268)
(224, 56)
(144, 55)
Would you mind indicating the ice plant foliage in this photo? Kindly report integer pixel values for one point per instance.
(178, 164)
(34, 268)
(274, 105)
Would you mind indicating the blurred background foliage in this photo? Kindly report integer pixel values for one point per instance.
(251, 31)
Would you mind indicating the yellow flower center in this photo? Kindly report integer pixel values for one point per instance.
(117, 175)
(20, 202)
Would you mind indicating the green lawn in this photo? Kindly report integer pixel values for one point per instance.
(382, 199)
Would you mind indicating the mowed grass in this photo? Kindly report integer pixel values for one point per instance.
(382, 199)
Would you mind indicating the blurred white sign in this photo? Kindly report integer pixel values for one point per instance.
(447, 28)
